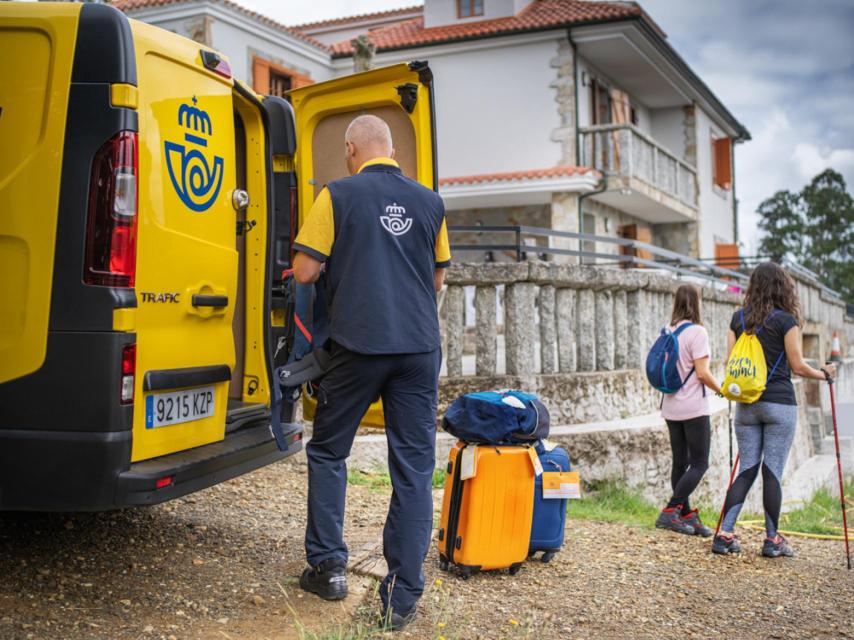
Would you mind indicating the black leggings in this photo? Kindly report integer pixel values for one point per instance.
(689, 442)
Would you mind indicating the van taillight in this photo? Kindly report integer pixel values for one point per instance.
(128, 371)
(112, 219)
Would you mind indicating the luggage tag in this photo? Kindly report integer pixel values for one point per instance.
(561, 485)
(535, 460)
(468, 463)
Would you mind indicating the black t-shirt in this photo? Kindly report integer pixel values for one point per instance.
(779, 387)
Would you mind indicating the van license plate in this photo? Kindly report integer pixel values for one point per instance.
(164, 409)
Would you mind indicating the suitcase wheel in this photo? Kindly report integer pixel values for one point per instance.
(547, 556)
(443, 564)
(514, 568)
(465, 573)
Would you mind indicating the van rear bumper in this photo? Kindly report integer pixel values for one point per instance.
(90, 471)
(187, 471)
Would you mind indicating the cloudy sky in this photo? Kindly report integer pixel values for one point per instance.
(785, 68)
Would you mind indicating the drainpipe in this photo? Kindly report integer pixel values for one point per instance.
(734, 199)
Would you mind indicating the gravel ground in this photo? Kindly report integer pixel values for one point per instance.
(223, 563)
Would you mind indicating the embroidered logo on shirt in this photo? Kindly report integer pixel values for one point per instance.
(394, 221)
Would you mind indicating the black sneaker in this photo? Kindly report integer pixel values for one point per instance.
(670, 518)
(776, 547)
(327, 580)
(397, 621)
(723, 545)
(693, 518)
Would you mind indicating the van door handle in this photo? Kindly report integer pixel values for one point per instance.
(203, 300)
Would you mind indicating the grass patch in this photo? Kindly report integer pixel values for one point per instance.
(821, 515)
(613, 501)
(380, 480)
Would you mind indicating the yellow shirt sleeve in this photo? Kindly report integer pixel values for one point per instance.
(317, 234)
(443, 247)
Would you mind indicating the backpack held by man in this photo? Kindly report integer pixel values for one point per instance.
(746, 370)
(662, 360)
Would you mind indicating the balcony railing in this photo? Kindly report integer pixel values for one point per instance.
(626, 151)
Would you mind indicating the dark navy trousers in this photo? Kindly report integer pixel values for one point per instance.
(408, 385)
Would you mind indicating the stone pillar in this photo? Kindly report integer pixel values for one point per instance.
(638, 328)
(455, 328)
(564, 217)
(604, 331)
(519, 333)
(586, 339)
(484, 305)
(548, 333)
(565, 302)
(621, 330)
(564, 85)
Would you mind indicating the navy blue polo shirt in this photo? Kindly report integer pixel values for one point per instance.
(382, 235)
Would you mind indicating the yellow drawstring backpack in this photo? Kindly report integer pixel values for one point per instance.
(746, 371)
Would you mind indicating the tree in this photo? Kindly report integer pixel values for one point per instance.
(814, 227)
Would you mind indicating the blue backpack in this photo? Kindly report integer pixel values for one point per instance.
(661, 370)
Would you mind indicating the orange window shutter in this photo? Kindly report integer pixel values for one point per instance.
(723, 162)
(261, 76)
(298, 81)
(726, 256)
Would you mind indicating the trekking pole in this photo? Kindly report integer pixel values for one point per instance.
(839, 468)
(728, 487)
(729, 419)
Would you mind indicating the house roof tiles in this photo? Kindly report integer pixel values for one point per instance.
(560, 171)
(134, 5)
(537, 16)
(377, 15)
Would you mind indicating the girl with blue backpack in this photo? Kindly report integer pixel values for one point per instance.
(678, 366)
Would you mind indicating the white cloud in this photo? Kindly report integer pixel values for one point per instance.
(811, 160)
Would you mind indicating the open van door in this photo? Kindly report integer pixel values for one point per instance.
(402, 95)
(38, 51)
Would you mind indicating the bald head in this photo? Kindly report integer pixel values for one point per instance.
(367, 137)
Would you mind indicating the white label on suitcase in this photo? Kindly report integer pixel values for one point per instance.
(563, 485)
(468, 463)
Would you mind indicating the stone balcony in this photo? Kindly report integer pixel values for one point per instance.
(643, 178)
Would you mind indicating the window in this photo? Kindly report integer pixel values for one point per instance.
(722, 163)
(469, 8)
(274, 80)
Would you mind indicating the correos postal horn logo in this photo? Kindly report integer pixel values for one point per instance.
(394, 222)
(195, 177)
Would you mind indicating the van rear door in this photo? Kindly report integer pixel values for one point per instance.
(400, 94)
(37, 50)
(186, 257)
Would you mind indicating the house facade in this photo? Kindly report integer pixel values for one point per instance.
(567, 114)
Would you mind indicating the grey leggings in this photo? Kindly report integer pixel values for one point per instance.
(765, 431)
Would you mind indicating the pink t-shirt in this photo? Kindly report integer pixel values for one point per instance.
(689, 402)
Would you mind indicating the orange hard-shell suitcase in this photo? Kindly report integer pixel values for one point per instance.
(486, 519)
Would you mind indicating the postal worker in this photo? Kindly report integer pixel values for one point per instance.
(383, 239)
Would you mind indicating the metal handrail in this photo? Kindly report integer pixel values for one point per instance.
(677, 262)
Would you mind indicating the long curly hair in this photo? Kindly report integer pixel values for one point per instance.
(770, 288)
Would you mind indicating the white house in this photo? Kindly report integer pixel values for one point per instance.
(567, 114)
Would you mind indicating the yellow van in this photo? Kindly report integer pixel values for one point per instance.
(148, 201)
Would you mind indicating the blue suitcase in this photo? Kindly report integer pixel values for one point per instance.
(549, 515)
